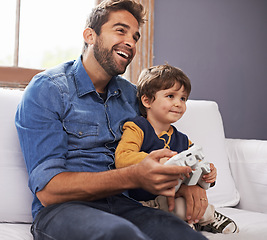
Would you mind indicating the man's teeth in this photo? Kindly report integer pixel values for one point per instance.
(123, 54)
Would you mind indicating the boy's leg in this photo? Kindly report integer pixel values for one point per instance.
(208, 216)
(179, 207)
(160, 202)
(211, 221)
(78, 220)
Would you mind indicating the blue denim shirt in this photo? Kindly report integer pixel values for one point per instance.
(65, 126)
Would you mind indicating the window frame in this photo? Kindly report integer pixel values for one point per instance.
(18, 77)
(144, 51)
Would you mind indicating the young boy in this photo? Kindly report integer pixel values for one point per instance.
(162, 92)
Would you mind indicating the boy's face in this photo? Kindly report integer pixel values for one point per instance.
(115, 47)
(168, 107)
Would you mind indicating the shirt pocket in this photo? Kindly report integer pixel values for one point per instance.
(81, 130)
(81, 135)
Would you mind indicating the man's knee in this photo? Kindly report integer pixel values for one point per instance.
(123, 229)
(80, 221)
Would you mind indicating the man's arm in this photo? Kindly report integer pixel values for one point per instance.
(149, 175)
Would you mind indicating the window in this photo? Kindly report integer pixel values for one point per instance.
(40, 34)
(49, 31)
(7, 26)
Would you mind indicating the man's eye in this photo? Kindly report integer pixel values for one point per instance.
(135, 39)
(120, 30)
(170, 96)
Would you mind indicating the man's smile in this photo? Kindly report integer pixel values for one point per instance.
(123, 54)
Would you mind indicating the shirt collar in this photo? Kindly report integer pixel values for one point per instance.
(169, 132)
(84, 84)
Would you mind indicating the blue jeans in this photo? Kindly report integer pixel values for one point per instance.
(116, 218)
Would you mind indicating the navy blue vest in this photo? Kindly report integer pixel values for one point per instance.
(178, 142)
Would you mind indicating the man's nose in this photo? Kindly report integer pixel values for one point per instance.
(129, 41)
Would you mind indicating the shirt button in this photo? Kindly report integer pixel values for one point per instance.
(80, 133)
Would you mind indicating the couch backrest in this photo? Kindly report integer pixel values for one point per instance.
(203, 124)
(16, 198)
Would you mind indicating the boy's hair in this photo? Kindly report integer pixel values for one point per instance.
(100, 14)
(161, 77)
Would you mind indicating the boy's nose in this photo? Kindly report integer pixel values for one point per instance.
(177, 104)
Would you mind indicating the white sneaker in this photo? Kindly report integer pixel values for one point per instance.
(220, 224)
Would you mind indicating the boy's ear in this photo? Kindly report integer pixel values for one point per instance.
(89, 36)
(146, 101)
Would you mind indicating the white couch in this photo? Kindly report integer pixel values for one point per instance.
(240, 191)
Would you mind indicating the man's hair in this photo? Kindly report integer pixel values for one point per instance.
(160, 77)
(100, 14)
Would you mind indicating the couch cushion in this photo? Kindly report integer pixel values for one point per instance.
(248, 163)
(252, 225)
(16, 198)
(203, 124)
(15, 231)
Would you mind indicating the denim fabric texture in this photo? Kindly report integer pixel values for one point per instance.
(112, 218)
(65, 126)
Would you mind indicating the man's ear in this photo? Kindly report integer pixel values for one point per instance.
(89, 36)
(146, 101)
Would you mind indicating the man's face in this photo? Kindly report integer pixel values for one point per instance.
(115, 47)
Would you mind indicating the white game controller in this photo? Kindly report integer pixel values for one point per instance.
(194, 158)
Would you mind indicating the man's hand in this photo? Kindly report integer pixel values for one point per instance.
(171, 203)
(196, 201)
(157, 178)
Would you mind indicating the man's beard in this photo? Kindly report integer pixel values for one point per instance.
(106, 59)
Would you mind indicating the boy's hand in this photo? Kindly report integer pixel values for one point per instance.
(210, 177)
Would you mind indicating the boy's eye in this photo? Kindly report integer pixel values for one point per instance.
(170, 96)
(183, 99)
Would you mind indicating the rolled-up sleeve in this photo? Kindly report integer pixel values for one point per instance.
(42, 138)
(44, 172)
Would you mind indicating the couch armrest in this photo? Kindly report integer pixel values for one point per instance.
(248, 163)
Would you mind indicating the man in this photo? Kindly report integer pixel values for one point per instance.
(69, 123)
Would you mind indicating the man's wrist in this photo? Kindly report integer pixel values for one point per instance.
(130, 177)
